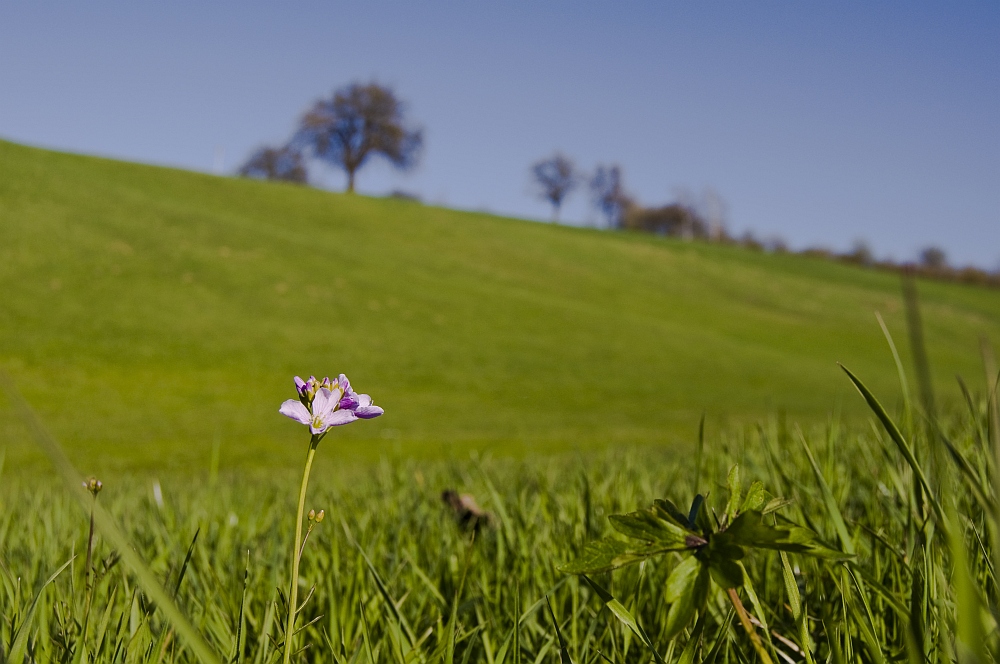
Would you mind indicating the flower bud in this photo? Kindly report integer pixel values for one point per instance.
(320, 516)
(93, 485)
(312, 515)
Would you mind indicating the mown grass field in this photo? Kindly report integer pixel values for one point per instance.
(150, 314)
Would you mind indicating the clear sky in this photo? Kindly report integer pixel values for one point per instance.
(819, 122)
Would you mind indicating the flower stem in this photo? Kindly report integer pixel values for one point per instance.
(293, 592)
(748, 627)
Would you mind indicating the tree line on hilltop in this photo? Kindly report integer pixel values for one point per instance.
(689, 218)
(361, 122)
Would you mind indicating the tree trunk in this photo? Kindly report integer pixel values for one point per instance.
(350, 181)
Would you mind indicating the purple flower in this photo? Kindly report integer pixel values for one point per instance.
(361, 404)
(325, 413)
(366, 410)
(324, 404)
(307, 388)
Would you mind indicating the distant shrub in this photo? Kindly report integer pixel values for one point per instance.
(860, 254)
(817, 252)
(674, 220)
(401, 195)
(286, 164)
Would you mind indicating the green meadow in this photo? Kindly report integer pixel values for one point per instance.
(150, 315)
(152, 320)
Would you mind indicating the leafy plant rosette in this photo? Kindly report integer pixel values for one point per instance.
(711, 547)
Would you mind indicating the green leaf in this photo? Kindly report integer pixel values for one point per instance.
(696, 505)
(726, 573)
(608, 554)
(775, 504)
(681, 577)
(735, 489)
(674, 512)
(654, 524)
(756, 498)
(722, 547)
(750, 530)
(686, 590)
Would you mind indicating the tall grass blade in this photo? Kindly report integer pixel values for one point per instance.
(971, 641)
(105, 523)
(829, 500)
(687, 655)
(915, 325)
(897, 438)
(904, 385)
(20, 644)
(390, 602)
(798, 611)
(701, 451)
(563, 651)
(866, 623)
(623, 615)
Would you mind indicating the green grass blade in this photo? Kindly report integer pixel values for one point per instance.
(829, 500)
(20, 645)
(106, 525)
(623, 615)
(563, 650)
(866, 623)
(390, 602)
(687, 655)
(904, 385)
(700, 454)
(971, 642)
(897, 438)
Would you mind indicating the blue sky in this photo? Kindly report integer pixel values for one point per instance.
(821, 123)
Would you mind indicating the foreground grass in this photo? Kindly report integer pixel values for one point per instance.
(390, 578)
(171, 308)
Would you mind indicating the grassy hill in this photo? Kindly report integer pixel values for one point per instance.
(147, 312)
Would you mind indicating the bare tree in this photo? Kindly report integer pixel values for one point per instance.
(555, 177)
(609, 194)
(357, 122)
(276, 164)
(713, 210)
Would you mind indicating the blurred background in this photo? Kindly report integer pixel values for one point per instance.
(809, 124)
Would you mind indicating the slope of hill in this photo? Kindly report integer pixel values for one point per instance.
(147, 312)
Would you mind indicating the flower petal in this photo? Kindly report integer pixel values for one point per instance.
(317, 430)
(295, 410)
(339, 417)
(364, 400)
(299, 383)
(324, 402)
(368, 412)
(349, 402)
